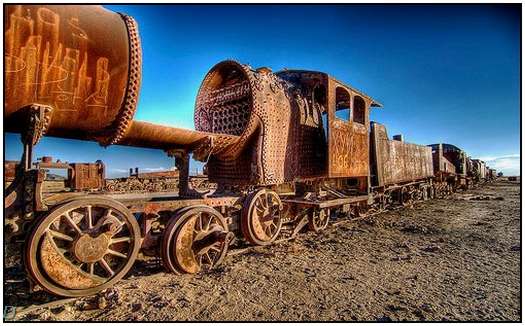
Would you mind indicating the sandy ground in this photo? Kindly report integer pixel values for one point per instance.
(456, 259)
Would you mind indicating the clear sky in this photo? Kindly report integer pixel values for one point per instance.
(444, 73)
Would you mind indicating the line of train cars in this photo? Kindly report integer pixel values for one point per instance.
(287, 150)
(451, 162)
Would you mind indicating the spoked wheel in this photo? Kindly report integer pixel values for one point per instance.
(318, 219)
(82, 247)
(195, 239)
(261, 217)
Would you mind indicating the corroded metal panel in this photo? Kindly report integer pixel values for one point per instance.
(348, 148)
(10, 170)
(82, 61)
(479, 168)
(85, 176)
(446, 154)
(340, 148)
(442, 163)
(396, 161)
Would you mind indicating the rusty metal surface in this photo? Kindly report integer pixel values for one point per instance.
(149, 135)
(453, 155)
(196, 238)
(442, 163)
(395, 161)
(279, 121)
(66, 57)
(10, 170)
(83, 247)
(479, 168)
(87, 176)
(347, 139)
(261, 219)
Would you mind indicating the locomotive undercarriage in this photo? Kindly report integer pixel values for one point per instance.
(80, 242)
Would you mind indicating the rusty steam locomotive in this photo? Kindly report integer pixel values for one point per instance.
(287, 150)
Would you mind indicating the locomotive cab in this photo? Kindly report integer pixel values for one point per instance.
(345, 119)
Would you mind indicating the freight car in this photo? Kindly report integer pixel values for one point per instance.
(287, 150)
(479, 170)
(450, 164)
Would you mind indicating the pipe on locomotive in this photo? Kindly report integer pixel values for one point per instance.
(84, 62)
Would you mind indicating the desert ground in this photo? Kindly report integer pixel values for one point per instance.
(444, 259)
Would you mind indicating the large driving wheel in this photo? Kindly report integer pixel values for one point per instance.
(196, 238)
(261, 217)
(82, 247)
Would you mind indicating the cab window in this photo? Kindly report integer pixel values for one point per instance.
(359, 110)
(342, 104)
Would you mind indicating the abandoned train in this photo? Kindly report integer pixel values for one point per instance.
(287, 150)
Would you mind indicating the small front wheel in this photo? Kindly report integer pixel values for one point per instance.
(195, 239)
(261, 218)
(319, 219)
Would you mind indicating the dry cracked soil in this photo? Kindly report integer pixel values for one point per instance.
(445, 259)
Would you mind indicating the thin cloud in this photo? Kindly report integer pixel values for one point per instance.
(492, 158)
(508, 164)
(119, 170)
(160, 168)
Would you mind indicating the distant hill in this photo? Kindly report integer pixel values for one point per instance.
(52, 176)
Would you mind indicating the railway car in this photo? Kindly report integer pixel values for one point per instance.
(479, 170)
(450, 163)
(492, 174)
(288, 151)
(160, 181)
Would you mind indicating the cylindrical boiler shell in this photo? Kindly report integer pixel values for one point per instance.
(83, 61)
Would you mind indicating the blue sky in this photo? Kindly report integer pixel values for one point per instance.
(444, 73)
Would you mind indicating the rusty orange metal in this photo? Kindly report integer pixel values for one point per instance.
(396, 161)
(82, 61)
(263, 109)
